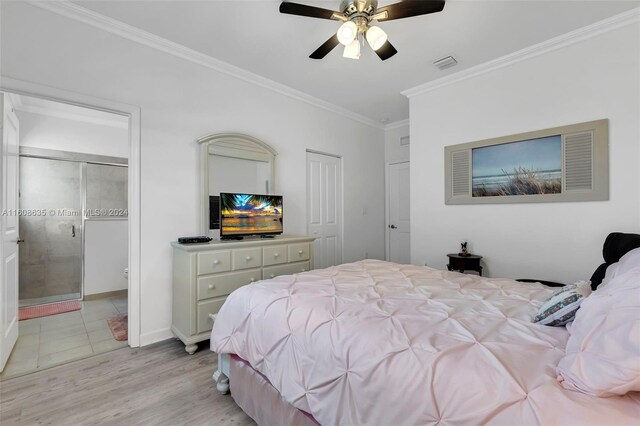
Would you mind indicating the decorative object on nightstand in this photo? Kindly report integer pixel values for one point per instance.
(461, 263)
(463, 249)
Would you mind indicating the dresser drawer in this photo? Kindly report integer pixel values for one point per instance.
(288, 269)
(223, 284)
(274, 255)
(247, 258)
(213, 262)
(298, 252)
(203, 322)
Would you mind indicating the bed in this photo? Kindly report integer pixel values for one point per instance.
(374, 342)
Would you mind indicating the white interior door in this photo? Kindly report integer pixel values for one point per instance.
(324, 208)
(9, 229)
(399, 224)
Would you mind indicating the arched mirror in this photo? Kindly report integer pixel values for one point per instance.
(232, 162)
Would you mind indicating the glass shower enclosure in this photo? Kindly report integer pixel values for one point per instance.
(57, 197)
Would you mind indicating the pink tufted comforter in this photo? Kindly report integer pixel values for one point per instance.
(377, 343)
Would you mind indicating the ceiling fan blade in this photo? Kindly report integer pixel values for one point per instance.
(386, 51)
(310, 11)
(409, 8)
(326, 47)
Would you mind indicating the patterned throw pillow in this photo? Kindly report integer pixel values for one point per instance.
(561, 306)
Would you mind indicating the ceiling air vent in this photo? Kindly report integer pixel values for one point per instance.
(446, 62)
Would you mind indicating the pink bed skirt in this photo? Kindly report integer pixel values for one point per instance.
(260, 400)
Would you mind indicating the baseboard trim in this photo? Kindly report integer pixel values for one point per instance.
(156, 336)
(106, 295)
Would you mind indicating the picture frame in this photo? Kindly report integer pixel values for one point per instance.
(560, 164)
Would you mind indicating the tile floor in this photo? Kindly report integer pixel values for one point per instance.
(57, 339)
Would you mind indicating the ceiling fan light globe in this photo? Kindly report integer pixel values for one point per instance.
(376, 37)
(352, 50)
(347, 33)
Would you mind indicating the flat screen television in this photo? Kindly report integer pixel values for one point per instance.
(250, 214)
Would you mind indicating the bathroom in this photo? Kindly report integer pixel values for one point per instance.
(72, 222)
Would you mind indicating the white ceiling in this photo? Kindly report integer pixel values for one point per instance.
(253, 35)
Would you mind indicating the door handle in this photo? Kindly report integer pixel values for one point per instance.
(73, 231)
(393, 227)
(19, 240)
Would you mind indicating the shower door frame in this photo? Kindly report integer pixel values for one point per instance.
(83, 160)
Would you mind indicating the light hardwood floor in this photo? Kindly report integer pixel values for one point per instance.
(156, 385)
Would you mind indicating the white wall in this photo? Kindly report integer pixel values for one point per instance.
(393, 151)
(181, 101)
(592, 79)
(105, 255)
(42, 131)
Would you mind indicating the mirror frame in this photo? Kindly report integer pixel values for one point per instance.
(233, 145)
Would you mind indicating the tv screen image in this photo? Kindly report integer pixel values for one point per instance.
(250, 214)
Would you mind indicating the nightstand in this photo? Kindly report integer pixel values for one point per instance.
(464, 263)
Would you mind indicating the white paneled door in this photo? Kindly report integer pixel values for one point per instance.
(324, 208)
(399, 225)
(9, 229)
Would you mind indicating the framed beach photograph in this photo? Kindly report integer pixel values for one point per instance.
(568, 163)
(518, 168)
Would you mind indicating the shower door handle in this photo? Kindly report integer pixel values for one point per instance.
(73, 231)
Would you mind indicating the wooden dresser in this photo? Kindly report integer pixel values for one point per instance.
(205, 274)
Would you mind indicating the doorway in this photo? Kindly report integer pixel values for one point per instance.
(398, 207)
(324, 208)
(73, 233)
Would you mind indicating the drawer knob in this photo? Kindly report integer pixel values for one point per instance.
(212, 287)
(252, 280)
(303, 269)
(276, 254)
(248, 258)
(300, 252)
(272, 276)
(215, 262)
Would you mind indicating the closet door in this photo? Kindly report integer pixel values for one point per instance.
(324, 208)
(399, 226)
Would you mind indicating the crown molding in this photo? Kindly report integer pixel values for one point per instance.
(396, 124)
(601, 27)
(113, 26)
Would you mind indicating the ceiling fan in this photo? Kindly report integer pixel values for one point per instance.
(357, 17)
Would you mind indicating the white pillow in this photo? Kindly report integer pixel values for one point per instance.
(628, 262)
(603, 352)
(612, 271)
